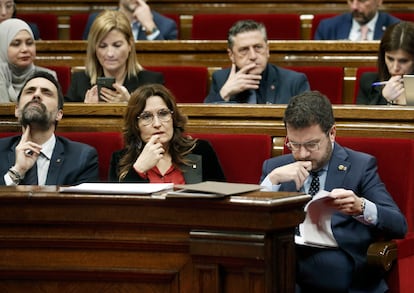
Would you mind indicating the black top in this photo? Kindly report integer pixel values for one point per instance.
(80, 83)
(211, 168)
(368, 94)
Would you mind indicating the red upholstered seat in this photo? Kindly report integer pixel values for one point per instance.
(77, 24)
(329, 80)
(406, 16)
(241, 155)
(359, 72)
(317, 19)
(64, 76)
(216, 26)
(187, 83)
(46, 22)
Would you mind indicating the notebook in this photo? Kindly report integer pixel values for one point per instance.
(409, 88)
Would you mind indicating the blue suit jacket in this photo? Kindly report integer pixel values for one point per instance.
(353, 237)
(167, 27)
(278, 85)
(71, 163)
(339, 27)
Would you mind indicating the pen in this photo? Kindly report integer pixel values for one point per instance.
(379, 83)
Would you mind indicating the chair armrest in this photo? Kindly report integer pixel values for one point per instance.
(382, 254)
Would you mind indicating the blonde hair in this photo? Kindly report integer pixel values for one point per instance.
(104, 23)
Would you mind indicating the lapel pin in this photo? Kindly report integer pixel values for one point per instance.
(342, 168)
(194, 166)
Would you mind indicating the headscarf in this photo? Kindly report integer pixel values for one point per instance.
(11, 77)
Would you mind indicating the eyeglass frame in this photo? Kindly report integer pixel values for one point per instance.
(306, 144)
(166, 110)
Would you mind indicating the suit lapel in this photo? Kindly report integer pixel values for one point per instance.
(56, 162)
(338, 168)
(193, 173)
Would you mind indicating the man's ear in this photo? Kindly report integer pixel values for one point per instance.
(59, 115)
(16, 111)
(231, 55)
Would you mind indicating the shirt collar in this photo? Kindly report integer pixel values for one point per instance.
(48, 146)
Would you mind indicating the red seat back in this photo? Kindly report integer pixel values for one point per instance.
(64, 76)
(77, 24)
(216, 26)
(187, 83)
(329, 80)
(46, 22)
(406, 16)
(241, 155)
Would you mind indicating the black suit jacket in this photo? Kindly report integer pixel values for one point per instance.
(71, 163)
(205, 166)
(80, 83)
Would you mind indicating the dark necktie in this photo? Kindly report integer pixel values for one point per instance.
(31, 176)
(314, 186)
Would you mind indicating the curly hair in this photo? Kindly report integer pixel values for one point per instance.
(179, 146)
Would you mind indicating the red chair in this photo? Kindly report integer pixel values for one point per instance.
(46, 22)
(216, 26)
(359, 72)
(317, 19)
(241, 155)
(406, 16)
(329, 80)
(77, 24)
(64, 76)
(187, 83)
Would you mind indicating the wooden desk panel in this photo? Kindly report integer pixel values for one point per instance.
(101, 243)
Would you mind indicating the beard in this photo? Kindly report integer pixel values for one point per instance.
(35, 113)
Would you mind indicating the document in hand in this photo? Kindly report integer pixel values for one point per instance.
(211, 189)
(316, 230)
(117, 188)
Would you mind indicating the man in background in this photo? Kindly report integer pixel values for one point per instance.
(146, 24)
(363, 23)
(251, 79)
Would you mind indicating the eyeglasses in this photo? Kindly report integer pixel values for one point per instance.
(309, 146)
(163, 115)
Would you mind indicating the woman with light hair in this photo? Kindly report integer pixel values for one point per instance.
(110, 53)
(17, 55)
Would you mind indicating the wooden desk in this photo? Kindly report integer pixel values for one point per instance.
(351, 120)
(51, 242)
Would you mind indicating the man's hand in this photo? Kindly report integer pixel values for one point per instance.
(240, 81)
(143, 15)
(347, 202)
(297, 171)
(27, 153)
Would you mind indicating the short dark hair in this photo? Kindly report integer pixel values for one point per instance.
(52, 79)
(308, 109)
(245, 26)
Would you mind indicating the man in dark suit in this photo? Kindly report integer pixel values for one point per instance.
(364, 23)
(38, 157)
(251, 79)
(363, 210)
(146, 24)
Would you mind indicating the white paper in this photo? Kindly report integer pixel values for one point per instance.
(117, 188)
(316, 230)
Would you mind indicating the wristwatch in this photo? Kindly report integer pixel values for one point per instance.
(15, 176)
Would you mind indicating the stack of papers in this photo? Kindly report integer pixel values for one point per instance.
(117, 188)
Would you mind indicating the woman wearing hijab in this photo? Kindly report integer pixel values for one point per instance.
(17, 54)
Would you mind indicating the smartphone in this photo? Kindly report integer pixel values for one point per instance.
(105, 82)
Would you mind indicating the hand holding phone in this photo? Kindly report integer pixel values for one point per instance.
(106, 82)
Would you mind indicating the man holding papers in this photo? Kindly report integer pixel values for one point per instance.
(363, 210)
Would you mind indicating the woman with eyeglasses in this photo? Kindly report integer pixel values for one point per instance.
(156, 148)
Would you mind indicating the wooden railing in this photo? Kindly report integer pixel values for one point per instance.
(213, 54)
(351, 120)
